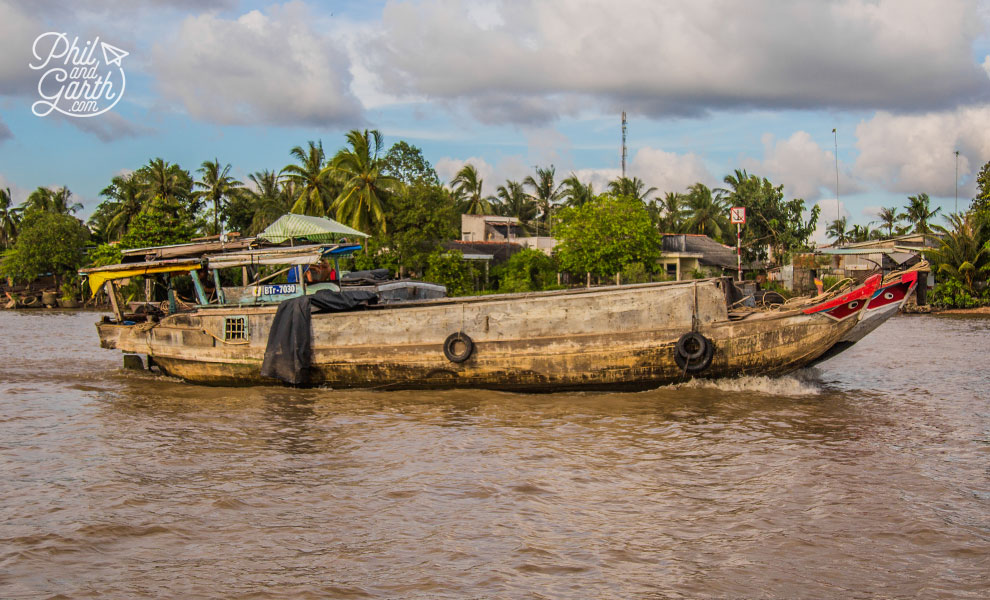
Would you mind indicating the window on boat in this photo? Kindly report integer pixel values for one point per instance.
(235, 328)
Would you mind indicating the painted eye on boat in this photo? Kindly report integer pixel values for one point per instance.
(853, 304)
(889, 296)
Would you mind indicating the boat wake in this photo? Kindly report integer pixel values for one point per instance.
(806, 382)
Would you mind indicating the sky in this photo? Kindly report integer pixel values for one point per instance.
(708, 87)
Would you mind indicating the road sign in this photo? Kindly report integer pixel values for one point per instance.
(737, 215)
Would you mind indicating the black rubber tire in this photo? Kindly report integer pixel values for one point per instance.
(691, 339)
(702, 362)
(448, 347)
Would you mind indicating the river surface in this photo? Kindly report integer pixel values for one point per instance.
(866, 477)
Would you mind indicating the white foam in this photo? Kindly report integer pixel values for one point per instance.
(803, 383)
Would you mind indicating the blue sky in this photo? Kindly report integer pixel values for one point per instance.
(708, 88)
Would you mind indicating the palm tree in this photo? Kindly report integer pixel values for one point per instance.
(889, 219)
(216, 185)
(516, 203)
(359, 168)
(124, 192)
(545, 193)
(170, 182)
(919, 213)
(837, 229)
(10, 218)
(467, 189)
(962, 253)
(672, 212)
(53, 201)
(860, 233)
(632, 188)
(312, 183)
(707, 212)
(268, 200)
(576, 193)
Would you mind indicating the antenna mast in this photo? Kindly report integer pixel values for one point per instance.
(623, 144)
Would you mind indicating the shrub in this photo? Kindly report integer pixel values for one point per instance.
(528, 270)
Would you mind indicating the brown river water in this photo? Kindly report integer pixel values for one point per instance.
(866, 477)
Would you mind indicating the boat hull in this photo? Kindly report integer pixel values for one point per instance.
(623, 337)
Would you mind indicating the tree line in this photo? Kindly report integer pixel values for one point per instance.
(397, 196)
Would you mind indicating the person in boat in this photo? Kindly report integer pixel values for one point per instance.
(318, 273)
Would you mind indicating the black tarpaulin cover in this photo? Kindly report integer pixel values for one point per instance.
(290, 350)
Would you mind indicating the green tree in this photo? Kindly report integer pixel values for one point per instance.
(545, 192)
(708, 213)
(981, 202)
(451, 270)
(407, 164)
(162, 223)
(422, 216)
(575, 193)
(10, 218)
(672, 212)
(774, 227)
(467, 186)
(606, 234)
(514, 202)
(633, 188)
(528, 270)
(162, 179)
(359, 169)
(49, 242)
(258, 206)
(217, 187)
(889, 219)
(837, 231)
(918, 212)
(963, 255)
(56, 201)
(312, 183)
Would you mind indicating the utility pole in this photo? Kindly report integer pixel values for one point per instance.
(835, 137)
(623, 144)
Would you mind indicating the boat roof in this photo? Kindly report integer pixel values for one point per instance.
(314, 229)
(97, 276)
(280, 255)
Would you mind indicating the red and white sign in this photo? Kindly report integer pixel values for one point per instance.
(737, 215)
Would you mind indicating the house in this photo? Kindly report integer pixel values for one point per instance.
(496, 228)
(683, 254)
(859, 259)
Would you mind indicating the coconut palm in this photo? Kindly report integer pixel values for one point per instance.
(57, 201)
(168, 181)
(632, 188)
(544, 192)
(962, 253)
(889, 219)
(514, 202)
(707, 212)
(364, 186)
(576, 193)
(467, 188)
(919, 213)
(313, 184)
(10, 219)
(124, 194)
(672, 212)
(216, 186)
(837, 229)
(861, 233)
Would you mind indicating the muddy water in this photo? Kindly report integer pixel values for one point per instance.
(869, 476)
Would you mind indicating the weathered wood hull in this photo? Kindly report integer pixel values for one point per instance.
(604, 338)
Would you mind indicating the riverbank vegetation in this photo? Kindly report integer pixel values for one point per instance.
(397, 196)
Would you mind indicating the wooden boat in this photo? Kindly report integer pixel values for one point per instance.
(617, 337)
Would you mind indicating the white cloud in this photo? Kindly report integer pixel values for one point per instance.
(17, 32)
(800, 164)
(17, 194)
(273, 68)
(916, 153)
(524, 61)
(448, 167)
(669, 172)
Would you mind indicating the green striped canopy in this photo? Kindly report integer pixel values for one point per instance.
(317, 229)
